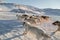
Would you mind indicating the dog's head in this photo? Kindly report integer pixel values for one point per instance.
(56, 23)
(22, 17)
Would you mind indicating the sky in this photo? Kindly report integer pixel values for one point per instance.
(55, 4)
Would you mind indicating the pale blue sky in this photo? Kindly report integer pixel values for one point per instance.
(38, 3)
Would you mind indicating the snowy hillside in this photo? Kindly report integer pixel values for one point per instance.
(16, 8)
(50, 11)
(11, 7)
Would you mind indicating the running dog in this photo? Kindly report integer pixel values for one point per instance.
(34, 30)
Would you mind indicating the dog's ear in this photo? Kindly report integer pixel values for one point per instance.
(44, 17)
(56, 23)
(30, 16)
(25, 15)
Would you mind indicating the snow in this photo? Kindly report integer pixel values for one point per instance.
(11, 28)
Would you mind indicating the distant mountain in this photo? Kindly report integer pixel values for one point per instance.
(18, 8)
(50, 11)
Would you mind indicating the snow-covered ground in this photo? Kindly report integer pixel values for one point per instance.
(11, 28)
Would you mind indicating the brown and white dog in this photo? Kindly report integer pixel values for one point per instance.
(57, 23)
(33, 21)
(35, 32)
